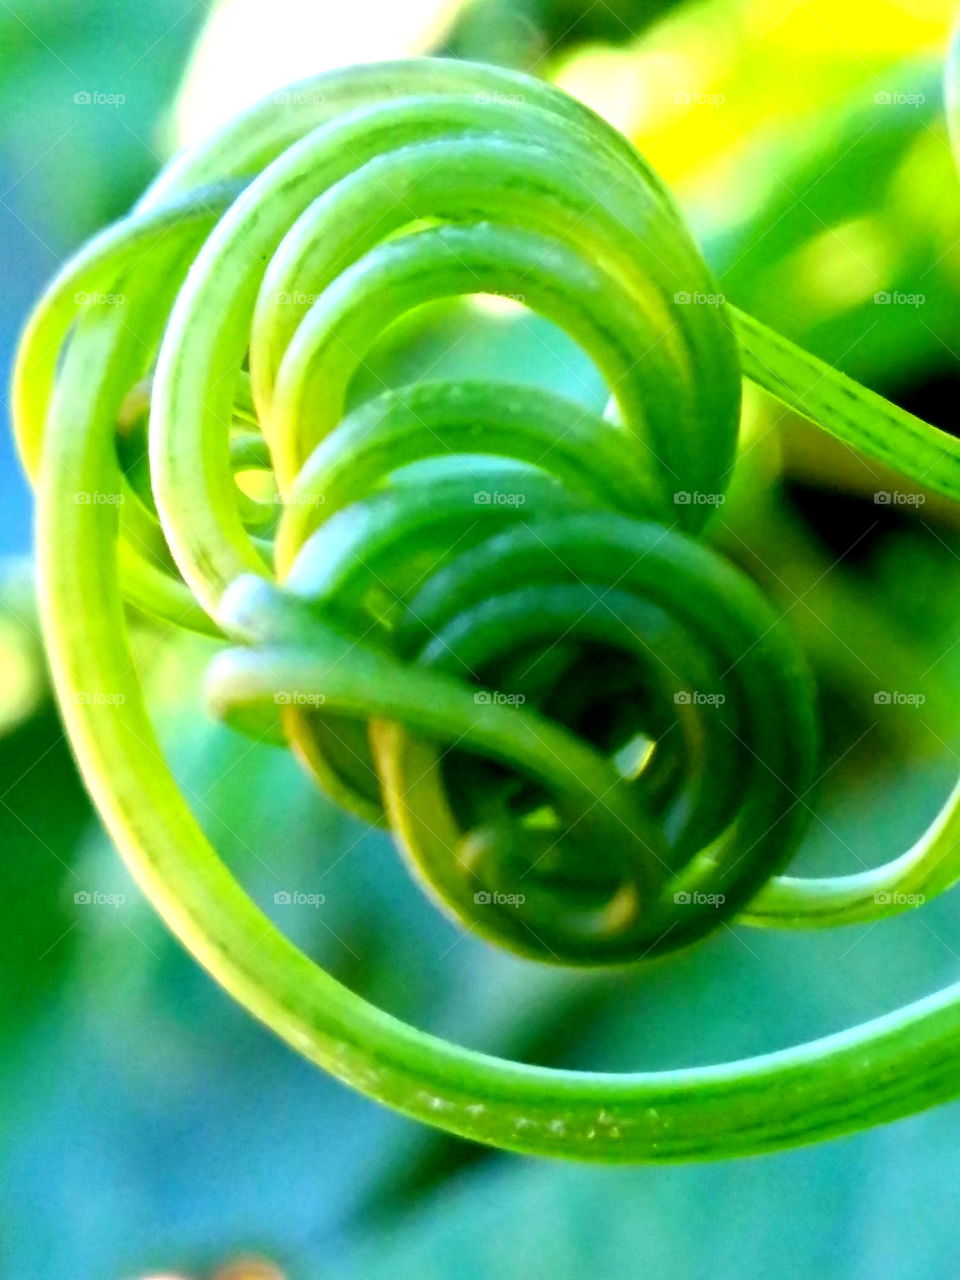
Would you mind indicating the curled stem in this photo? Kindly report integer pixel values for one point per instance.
(590, 733)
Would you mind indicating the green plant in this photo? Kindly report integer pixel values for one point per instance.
(487, 683)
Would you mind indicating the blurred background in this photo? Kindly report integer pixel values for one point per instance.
(152, 1128)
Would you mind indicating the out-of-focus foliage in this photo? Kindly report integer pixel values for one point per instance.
(68, 166)
(237, 62)
(808, 146)
(525, 33)
(152, 1125)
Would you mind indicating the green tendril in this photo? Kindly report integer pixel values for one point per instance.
(481, 616)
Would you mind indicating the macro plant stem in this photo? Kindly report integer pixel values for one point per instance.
(368, 611)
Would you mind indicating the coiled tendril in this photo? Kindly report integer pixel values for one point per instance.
(484, 616)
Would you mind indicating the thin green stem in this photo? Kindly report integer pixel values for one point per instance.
(481, 615)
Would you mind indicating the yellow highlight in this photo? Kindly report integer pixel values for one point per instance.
(716, 81)
(844, 266)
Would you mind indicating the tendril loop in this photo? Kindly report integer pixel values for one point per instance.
(481, 614)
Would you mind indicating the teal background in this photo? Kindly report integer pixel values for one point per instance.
(149, 1124)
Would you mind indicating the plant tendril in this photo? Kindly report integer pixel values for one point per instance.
(481, 615)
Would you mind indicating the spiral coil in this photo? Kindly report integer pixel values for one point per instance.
(484, 616)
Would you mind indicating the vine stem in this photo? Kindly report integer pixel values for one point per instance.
(94, 553)
(885, 1069)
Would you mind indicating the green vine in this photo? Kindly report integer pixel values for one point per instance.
(484, 617)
